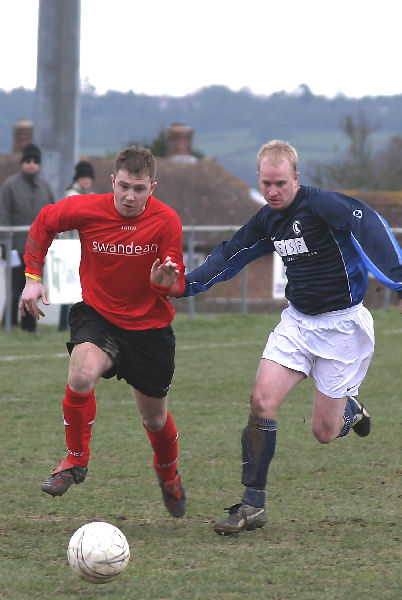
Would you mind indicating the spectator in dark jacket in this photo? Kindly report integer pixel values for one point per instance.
(22, 196)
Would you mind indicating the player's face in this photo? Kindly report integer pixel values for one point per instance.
(131, 193)
(278, 182)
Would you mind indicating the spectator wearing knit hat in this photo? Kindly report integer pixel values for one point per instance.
(22, 196)
(83, 179)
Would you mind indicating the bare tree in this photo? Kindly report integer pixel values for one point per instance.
(388, 165)
(356, 170)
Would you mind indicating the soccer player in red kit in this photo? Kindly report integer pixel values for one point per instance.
(130, 243)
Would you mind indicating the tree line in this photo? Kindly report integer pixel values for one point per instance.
(342, 142)
(360, 167)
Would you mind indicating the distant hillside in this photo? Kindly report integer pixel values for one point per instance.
(228, 126)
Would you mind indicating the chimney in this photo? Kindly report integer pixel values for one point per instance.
(22, 135)
(178, 140)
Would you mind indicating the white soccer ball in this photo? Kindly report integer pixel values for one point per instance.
(98, 552)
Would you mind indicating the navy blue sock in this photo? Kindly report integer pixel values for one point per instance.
(350, 410)
(258, 449)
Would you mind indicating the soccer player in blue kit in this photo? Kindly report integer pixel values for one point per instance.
(328, 241)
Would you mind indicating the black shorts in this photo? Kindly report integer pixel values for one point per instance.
(144, 358)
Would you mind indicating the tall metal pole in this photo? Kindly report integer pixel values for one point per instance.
(56, 120)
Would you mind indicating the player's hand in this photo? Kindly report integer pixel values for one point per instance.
(165, 273)
(31, 293)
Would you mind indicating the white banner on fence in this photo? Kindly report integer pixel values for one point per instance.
(62, 272)
(279, 277)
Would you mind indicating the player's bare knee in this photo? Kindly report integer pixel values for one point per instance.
(81, 380)
(155, 422)
(323, 435)
(263, 406)
(322, 438)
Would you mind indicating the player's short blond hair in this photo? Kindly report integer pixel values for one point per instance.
(278, 150)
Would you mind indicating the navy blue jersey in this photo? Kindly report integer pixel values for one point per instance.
(328, 241)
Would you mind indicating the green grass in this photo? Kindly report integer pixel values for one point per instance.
(334, 527)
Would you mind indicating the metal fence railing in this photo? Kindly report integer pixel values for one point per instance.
(189, 231)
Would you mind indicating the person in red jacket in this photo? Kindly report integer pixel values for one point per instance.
(131, 244)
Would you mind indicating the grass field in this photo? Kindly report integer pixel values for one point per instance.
(334, 528)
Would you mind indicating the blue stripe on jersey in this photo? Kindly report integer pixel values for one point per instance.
(392, 238)
(380, 253)
(380, 275)
(355, 271)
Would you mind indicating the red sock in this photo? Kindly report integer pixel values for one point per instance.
(164, 443)
(79, 414)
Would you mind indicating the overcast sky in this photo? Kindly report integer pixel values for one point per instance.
(175, 47)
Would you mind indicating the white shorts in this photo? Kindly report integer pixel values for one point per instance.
(333, 348)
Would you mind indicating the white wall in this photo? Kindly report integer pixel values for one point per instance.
(52, 311)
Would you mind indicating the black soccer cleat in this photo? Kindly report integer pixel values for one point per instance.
(361, 421)
(242, 517)
(64, 475)
(174, 496)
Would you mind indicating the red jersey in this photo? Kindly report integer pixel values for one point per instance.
(116, 256)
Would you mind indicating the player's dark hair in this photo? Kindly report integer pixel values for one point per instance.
(136, 161)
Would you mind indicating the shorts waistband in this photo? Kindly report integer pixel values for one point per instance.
(329, 315)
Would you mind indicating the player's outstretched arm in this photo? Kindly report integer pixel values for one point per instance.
(164, 273)
(31, 293)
